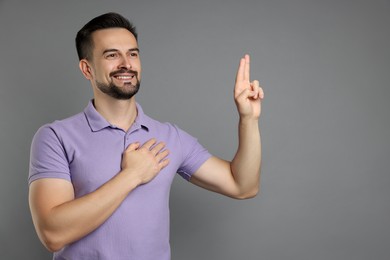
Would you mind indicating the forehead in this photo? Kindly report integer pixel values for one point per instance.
(118, 38)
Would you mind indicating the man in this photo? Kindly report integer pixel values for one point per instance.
(99, 181)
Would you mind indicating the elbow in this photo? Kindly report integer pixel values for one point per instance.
(52, 242)
(52, 246)
(247, 195)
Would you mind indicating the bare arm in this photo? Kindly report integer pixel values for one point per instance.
(239, 178)
(60, 219)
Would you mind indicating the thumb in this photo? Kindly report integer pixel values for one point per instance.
(245, 94)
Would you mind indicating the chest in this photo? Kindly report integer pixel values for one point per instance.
(97, 159)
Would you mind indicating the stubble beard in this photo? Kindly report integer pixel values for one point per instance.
(121, 93)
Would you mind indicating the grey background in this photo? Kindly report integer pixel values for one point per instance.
(325, 69)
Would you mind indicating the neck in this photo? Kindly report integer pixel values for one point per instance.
(120, 113)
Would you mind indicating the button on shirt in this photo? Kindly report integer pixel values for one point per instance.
(86, 150)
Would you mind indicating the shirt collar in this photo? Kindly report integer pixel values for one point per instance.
(97, 122)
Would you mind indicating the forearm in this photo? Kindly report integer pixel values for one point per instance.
(61, 219)
(246, 163)
(72, 220)
(239, 178)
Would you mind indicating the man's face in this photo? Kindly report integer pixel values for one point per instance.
(115, 64)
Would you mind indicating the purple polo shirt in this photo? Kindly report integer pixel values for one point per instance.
(86, 150)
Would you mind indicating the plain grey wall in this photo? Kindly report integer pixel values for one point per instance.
(325, 68)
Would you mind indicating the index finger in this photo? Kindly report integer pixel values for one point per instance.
(149, 143)
(240, 71)
(247, 68)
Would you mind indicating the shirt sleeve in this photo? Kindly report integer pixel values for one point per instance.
(193, 154)
(47, 156)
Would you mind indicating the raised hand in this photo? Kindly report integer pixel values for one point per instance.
(247, 95)
(145, 161)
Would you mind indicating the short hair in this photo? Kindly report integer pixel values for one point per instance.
(84, 42)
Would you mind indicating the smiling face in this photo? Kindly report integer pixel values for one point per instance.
(115, 67)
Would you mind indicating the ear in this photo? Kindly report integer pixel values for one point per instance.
(85, 68)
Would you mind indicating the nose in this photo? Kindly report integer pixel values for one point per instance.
(125, 63)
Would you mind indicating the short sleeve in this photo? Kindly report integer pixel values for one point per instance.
(47, 156)
(193, 154)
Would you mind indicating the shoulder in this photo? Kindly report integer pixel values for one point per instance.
(70, 122)
(56, 128)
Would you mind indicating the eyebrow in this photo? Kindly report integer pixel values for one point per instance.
(115, 50)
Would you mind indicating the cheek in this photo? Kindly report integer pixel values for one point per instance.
(103, 73)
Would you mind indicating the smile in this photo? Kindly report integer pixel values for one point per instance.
(124, 77)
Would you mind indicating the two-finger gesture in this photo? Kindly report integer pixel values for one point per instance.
(247, 94)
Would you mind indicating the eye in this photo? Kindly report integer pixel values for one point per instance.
(134, 54)
(111, 55)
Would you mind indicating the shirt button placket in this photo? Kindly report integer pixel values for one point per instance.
(127, 139)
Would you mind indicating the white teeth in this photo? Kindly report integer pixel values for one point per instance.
(125, 77)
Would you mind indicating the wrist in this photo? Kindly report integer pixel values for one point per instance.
(249, 120)
(131, 179)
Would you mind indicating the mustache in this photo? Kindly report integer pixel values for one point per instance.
(121, 71)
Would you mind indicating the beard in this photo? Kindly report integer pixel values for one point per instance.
(123, 93)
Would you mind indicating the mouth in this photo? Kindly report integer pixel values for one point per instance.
(124, 76)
